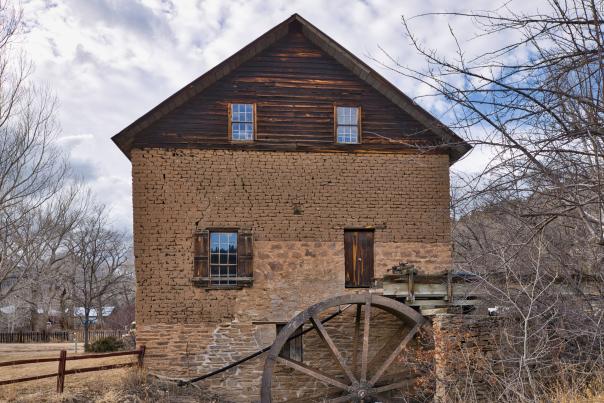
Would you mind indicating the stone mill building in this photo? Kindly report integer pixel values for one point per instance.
(289, 174)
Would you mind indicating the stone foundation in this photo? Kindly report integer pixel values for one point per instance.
(187, 351)
(465, 353)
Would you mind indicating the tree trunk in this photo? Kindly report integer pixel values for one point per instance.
(86, 327)
(62, 307)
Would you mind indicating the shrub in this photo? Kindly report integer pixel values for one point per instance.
(105, 345)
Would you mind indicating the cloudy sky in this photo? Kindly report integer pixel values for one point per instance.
(110, 61)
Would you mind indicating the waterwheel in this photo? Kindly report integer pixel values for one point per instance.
(357, 353)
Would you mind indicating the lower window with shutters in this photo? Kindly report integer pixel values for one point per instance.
(223, 258)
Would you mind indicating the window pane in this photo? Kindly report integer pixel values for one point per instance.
(242, 113)
(223, 257)
(224, 271)
(348, 134)
(242, 131)
(214, 238)
(347, 115)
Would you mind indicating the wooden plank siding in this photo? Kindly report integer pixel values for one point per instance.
(295, 86)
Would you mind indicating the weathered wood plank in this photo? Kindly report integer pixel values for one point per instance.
(365, 352)
(294, 85)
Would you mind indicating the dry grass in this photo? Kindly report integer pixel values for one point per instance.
(44, 389)
(116, 385)
(589, 393)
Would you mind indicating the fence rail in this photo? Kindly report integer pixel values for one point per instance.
(57, 336)
(63, 371)
(35, 337)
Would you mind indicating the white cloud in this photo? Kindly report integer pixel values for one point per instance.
(110, 61)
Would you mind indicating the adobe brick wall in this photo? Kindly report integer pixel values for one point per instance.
(298, 259)
(405, 195)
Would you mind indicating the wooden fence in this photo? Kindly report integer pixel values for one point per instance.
(62, 368)
(35, 337)
(58, 336)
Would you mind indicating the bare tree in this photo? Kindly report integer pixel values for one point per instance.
(538, 102)
(99, 256)
(531, 224)
(44, 249)
(31, 166)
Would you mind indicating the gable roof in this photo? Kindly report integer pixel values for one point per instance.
(457, 146)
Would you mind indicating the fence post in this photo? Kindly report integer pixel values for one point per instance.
(141, 356)
(61, 372)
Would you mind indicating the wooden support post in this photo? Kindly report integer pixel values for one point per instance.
(141, 356)
(411, 286)
(61, 371)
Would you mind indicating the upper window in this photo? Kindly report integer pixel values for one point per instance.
(347, 124)
(223, 258)
(242, 122)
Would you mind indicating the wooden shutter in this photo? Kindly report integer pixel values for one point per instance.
(201, 248)
(245, 255)
(358, 258)
(293, 348)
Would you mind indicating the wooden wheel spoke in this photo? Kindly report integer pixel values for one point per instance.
(365, 352)
(388, 361)
(332, 347)
(355, 340)
(305, 369)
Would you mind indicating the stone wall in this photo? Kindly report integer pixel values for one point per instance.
(298, 256)
(465, 357)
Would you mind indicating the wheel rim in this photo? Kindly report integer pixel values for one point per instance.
(355, 388)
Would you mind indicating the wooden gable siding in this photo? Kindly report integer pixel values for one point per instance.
(295, 86)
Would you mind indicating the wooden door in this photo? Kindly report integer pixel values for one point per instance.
(358, 257)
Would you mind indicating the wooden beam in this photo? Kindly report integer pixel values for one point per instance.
(365, 353)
